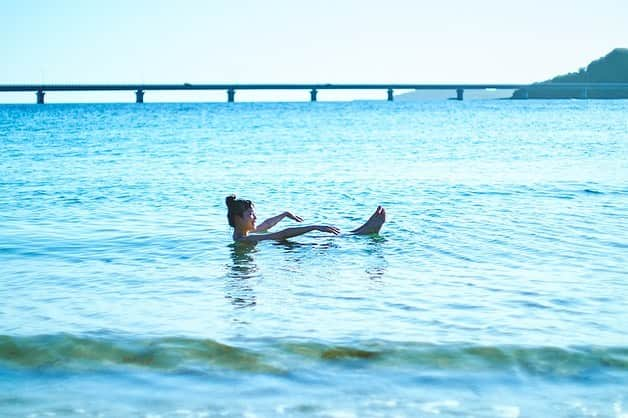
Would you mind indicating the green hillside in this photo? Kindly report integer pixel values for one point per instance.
(612, 68)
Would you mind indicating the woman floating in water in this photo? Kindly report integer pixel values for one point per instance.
(242, 218)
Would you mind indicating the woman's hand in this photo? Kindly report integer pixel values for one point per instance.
(327, 228)
(293, 217)
(270, 222)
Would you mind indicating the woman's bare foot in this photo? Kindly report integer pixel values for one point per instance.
(374, 223)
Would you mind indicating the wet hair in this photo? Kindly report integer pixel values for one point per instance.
(236, 207)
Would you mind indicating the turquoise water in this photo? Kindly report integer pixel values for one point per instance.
(497, 287)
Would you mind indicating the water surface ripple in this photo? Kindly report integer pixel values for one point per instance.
(497, 287)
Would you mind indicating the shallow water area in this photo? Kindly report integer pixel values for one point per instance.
(496, 287)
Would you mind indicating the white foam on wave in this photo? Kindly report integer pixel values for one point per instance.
(619, 413)
(342, 414)
(507, 411)
(435, 407)
(585, 410)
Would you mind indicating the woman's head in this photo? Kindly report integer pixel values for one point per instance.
(241, 214)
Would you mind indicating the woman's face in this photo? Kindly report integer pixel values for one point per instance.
(248, 219)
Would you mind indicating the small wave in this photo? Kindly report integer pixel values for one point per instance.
(551, 361)
(172, 353)
(591, 191)
(70, 352)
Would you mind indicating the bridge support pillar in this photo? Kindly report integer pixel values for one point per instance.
(139, 96)
(40, 96)
(390, 95)
(231, 95)
(313, 95)
(585, 93)
(459, 94)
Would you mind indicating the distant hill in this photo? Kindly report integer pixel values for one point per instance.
(612, 68)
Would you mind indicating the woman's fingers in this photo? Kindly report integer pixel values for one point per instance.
(330, 229)
(294, 217)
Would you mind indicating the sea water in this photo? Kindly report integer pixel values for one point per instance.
(498, 286)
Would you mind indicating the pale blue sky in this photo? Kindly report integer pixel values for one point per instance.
(326, 41)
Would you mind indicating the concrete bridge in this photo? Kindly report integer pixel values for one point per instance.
(140, 89)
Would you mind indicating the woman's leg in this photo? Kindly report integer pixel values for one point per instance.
(373, 224)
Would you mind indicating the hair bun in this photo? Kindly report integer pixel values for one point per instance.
(230, 199)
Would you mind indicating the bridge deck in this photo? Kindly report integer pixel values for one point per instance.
(395, 86)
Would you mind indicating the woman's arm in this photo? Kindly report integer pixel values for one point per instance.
(290, 232)
(270, 222)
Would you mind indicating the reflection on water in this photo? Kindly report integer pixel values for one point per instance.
(299, 252)
(241, 270)
(377, 264)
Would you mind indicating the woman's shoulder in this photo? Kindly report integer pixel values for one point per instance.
(249, 239)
